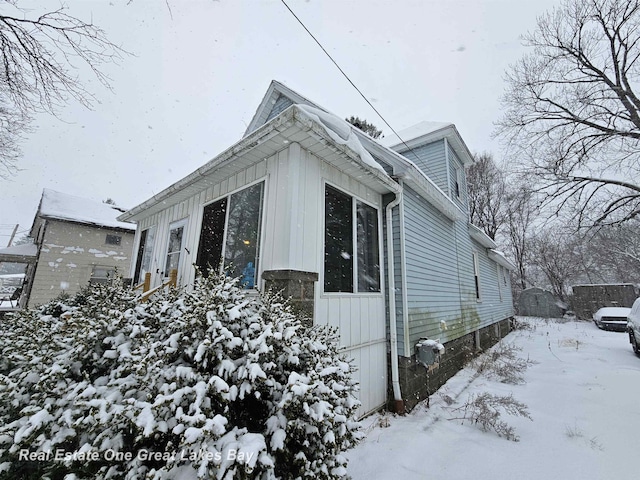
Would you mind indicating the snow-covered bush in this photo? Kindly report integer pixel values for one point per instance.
(209, 383)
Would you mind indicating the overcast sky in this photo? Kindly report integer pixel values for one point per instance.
(199, 69)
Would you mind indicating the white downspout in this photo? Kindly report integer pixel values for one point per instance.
(393, 334)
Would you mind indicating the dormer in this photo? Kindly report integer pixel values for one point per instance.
(438, 150)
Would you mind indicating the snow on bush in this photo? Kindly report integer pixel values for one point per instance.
(209, 383)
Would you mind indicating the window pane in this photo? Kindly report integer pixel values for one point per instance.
(476, 275)
(338, 241)
(368, 254)
(113, 240)
(212, 236)
(173, 251)
(145, 252)
(241, 246)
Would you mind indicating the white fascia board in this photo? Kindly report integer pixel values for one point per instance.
(268, 130)
(450, 132)
(414, 178)
(500, 259)
(482, 238)
(289, 117)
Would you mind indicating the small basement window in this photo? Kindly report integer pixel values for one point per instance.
(113, 239)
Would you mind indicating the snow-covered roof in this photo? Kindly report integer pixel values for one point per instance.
(19, 253)
(481, 237)
(362, 150)
(26, 250)
(273, 92)
(62, 206)
(341, 132)
(413, 132)
(267, 140)
(499, 257)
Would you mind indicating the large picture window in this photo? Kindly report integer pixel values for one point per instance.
(145, 252)
(351, 255)
(231, 231)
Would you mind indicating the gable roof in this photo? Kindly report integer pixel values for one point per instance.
(19, 253)
(426, 132)
(318, 131)
(274, 92)
(62, 206)
(297, 124)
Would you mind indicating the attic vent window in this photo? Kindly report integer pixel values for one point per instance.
(113, 240)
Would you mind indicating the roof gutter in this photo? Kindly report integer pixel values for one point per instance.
(393, 333)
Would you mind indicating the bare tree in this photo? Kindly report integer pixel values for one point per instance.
(521, 211)
(573, 112)
(40, 52)
(486, 189)
(554, 251)
(13, 125)
(613, 253)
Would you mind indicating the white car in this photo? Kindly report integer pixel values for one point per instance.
(612, 318)
(633, 326)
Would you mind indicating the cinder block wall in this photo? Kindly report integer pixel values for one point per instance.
(417, 382)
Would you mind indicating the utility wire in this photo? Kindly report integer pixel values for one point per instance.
(346, 76)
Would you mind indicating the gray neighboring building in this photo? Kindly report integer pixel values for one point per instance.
(76, 241)
(536, 302)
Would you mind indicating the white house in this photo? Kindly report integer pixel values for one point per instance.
(76, 241)
(307, 203)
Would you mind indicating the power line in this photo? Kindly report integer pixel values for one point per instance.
(345, 75)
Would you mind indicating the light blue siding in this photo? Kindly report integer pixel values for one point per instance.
(440, 277)
(455, 166)
(432, 160)
(280, 106)
(397, 271)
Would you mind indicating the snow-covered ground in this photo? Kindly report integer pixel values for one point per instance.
(583, 395)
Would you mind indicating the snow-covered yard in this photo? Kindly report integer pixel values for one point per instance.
(583, 395)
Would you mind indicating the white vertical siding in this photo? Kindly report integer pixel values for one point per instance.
(360, 318)
(293, 238)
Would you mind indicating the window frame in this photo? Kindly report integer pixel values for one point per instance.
(499, 275)
(458, 182)
(140, 254)
(354, 243)
(261, 220)
(182, 223)
(117, 243)
(476, 275)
